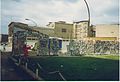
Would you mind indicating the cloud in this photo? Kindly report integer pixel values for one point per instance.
(44, 11)
(104, 11)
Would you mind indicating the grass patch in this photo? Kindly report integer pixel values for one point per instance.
(113, 57)
(79, 68)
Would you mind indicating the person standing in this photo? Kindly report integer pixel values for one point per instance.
(25, 51)
(4, 45)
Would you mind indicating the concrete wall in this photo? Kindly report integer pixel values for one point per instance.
(64, 46)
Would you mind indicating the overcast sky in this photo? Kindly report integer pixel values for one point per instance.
(45, 11)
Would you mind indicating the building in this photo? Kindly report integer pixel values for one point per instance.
(30, 39)
(45, 30)
(62, 29)
(108, 31)
(76, 31)
(82, 30)
(66, 31)
(11, 26)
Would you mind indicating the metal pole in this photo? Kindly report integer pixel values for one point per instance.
(37, 72)
(32, 21)
(88, 12)
(19, 61)
(26, 65)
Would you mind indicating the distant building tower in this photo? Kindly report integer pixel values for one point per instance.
(81, 30)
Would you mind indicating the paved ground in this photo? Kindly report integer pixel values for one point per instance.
(7, 70)
(11, 73)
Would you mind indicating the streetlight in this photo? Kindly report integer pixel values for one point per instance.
(32, 21)
(34, 26)
(88, 12)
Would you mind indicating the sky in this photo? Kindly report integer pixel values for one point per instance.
(44, 11)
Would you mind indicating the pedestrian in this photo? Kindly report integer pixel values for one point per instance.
(4, 47)
(25, 51)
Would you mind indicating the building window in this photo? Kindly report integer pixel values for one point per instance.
(28, 38)
(64, 30)
(33, 38)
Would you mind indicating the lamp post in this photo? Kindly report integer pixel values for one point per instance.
(34, 26)
(32, 21)
(88, 12)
